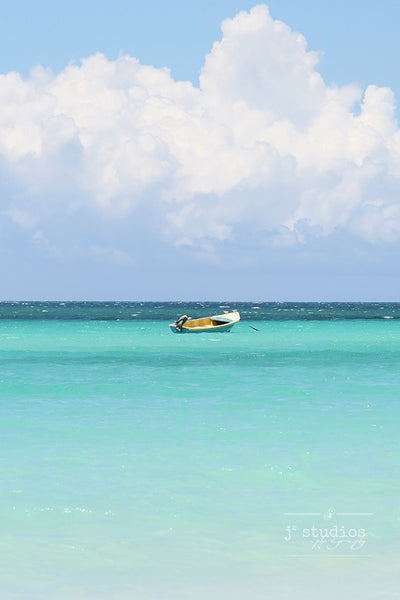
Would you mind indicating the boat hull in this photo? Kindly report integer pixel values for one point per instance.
(216, 323)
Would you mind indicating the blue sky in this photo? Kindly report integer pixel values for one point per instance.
(273, 173)
(359, 40)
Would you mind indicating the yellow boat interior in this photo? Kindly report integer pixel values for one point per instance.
(204, 322)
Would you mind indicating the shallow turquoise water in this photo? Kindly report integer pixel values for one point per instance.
(140, 464)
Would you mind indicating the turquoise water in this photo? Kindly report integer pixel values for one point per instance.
(138, 464)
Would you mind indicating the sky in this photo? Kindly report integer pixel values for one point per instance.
(222, 150)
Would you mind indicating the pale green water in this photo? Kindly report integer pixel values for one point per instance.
(138, 464)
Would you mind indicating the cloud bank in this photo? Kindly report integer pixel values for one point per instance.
(262, 147)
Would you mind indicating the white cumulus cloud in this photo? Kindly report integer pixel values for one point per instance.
(263, 144)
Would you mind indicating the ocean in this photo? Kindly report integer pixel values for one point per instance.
(141, 465)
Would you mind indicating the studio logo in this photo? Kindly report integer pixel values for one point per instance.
(329, 532)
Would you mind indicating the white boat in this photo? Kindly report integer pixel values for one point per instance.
(223, 322)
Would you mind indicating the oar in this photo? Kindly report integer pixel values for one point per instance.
(255, 328)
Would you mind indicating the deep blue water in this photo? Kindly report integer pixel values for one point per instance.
(159, 311)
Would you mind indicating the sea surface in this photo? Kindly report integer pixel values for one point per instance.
(136, 464)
